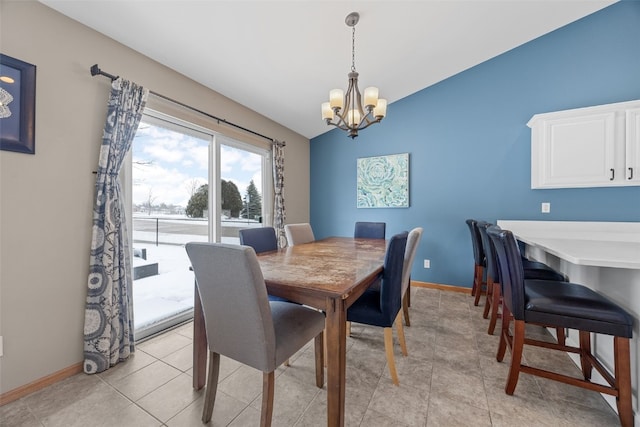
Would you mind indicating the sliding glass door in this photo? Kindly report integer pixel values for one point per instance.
(185, 183)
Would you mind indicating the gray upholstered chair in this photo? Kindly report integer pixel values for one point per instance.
(242, 323)
(298, 234)
(409, 255)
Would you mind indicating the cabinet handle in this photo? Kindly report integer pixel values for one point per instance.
(630, 173)
(613, 174)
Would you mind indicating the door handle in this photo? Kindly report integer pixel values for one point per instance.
(630, 173)
(613, 174)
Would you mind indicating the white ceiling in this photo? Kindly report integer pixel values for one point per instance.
(280, 58)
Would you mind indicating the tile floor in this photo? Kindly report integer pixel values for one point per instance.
(450, 378)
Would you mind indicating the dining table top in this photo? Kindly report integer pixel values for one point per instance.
(330, 267)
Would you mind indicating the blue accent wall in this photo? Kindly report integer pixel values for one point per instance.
(470, 148)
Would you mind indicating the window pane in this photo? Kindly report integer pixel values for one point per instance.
(241, 191)
(170, 208)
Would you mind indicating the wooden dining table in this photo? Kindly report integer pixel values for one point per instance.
(328, 274)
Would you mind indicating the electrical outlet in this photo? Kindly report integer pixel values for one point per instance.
(546, 207)
(427, 263)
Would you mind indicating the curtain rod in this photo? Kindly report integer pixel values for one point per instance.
(95, 71)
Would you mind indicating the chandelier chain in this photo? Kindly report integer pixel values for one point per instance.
(353, 48)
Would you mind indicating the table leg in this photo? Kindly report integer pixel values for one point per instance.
(199, 344)
(336, 363)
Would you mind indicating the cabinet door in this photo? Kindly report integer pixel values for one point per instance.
(632, 158)
(577, 151)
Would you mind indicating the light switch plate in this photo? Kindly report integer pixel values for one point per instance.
(546, 207)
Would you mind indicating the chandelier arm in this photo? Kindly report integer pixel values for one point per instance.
(339, 125)
(369, 123)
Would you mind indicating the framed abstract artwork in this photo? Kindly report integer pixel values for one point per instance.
(383, 181)
(17, 105)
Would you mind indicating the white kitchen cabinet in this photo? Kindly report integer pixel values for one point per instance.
(632, 170)
(586, 147)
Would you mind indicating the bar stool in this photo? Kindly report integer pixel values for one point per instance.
(532, 270)
(479, 261)
(565, 305)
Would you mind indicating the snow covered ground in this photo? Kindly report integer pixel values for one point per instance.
(169, 295)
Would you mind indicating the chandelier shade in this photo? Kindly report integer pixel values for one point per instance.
(346, 111)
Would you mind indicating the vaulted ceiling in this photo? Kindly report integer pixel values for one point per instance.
(281, 58)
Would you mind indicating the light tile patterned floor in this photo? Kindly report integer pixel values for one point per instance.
(450, 378)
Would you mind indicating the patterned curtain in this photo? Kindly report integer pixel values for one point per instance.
(108, 322)
(279, 212)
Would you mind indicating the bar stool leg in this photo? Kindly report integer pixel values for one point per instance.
(516, 356)
(478, 283)
(585, 348)
(488, 300)
(495, 303)
(623, 380)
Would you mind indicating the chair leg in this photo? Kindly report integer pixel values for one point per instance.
(585, 349)
(480, 282)
(388, 346)
(496, 299)
(516, 356)
(319, 352)
(561, 337)
(325, 354)
(488, 300)
(623, 380)
(504, 332)
(267, 398)
(403, 343)
(474, 286)
(212, 386)
(405, 308)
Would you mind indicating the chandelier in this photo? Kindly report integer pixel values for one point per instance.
(346, 111)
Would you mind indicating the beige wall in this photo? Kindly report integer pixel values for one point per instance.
(46, 199)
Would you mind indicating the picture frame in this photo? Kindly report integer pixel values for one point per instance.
(383, 181)
(17, 105)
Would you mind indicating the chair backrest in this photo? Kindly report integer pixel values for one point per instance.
(391, 284)
(298, 234)
(370, 230)
(491, 259)
(478, 252)
(511, 272)
(409, 255)
(234, 299)
(261, 239)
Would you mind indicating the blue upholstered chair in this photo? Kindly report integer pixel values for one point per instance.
(381, 306)
(370, 230)
(261, 239)
(479, 261)
(532, 270)
(243, 325)
(561, 305)
(298, 234)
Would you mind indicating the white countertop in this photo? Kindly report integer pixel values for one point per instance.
(599, 244)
